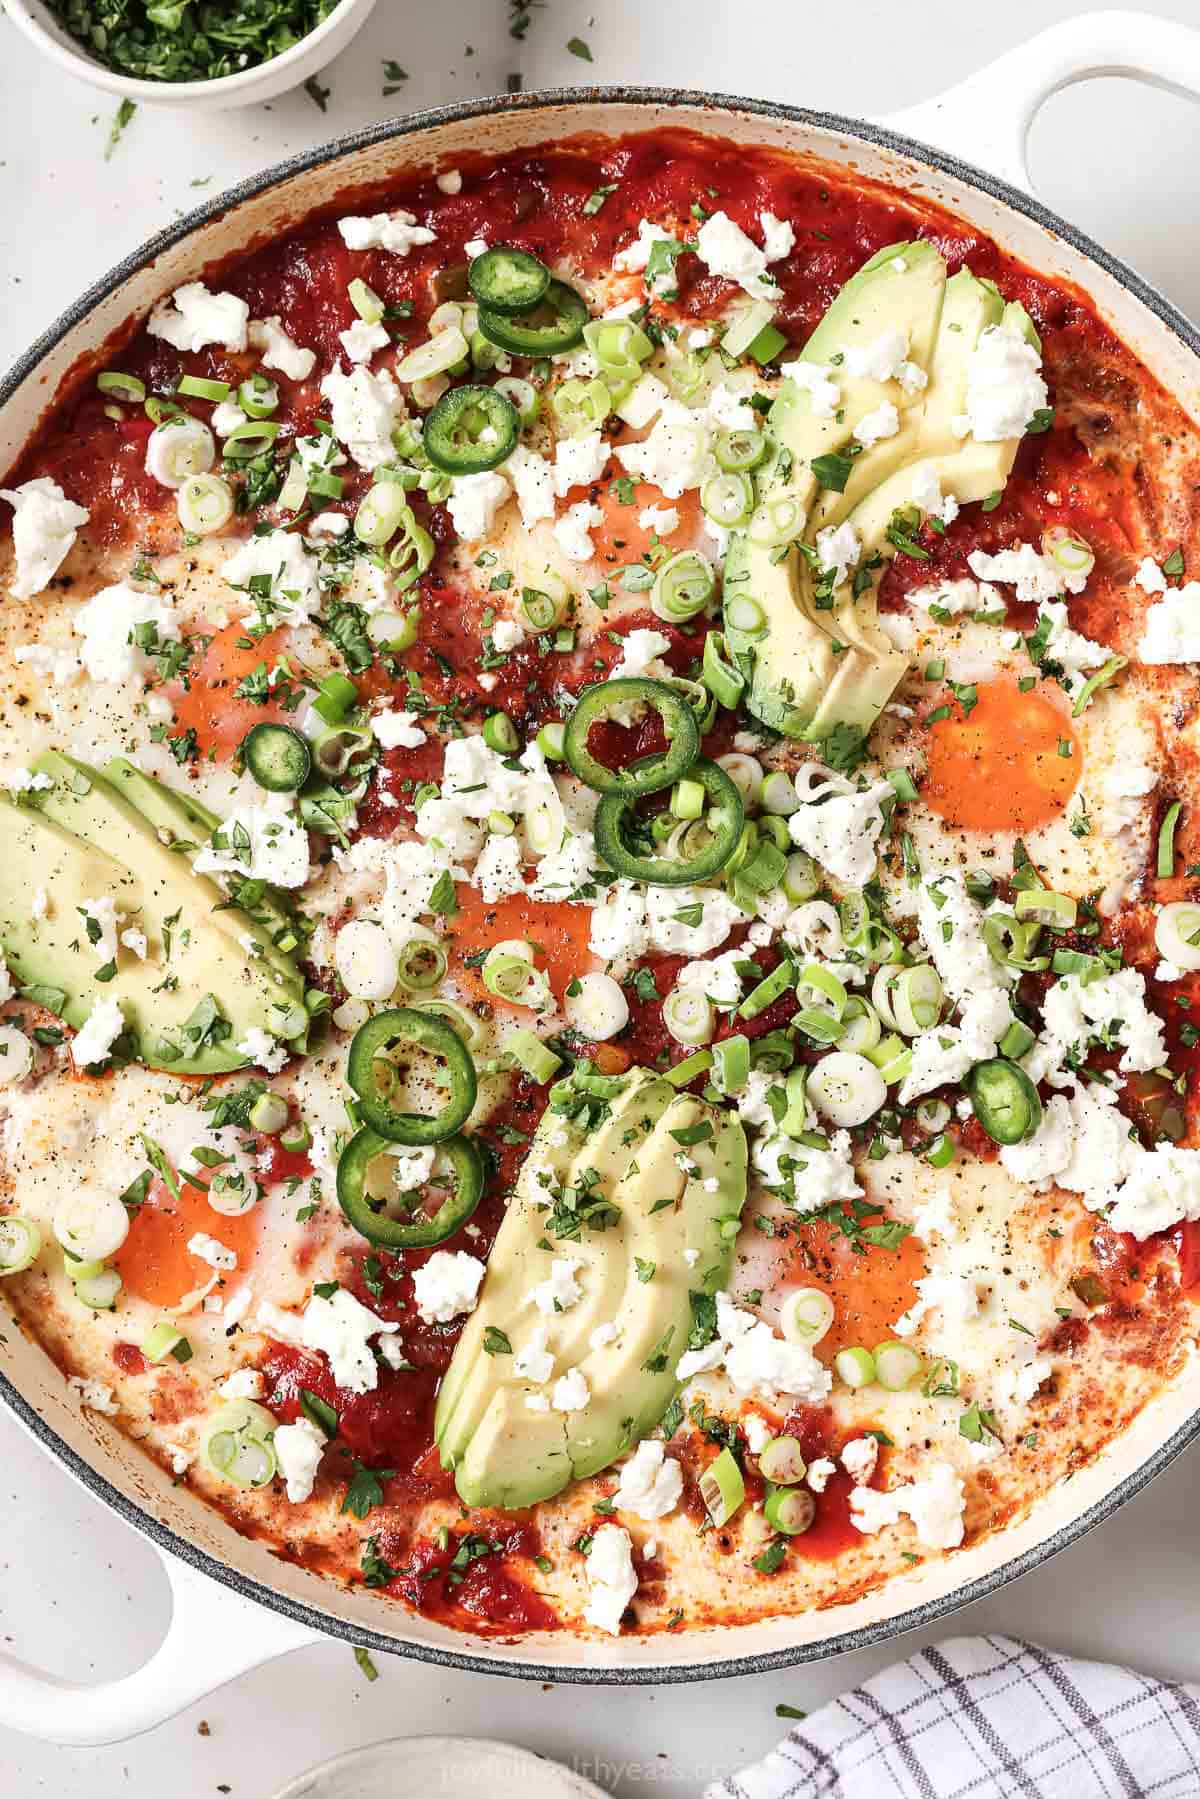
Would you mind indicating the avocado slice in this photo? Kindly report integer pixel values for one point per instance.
(787, 690)
(633, 1276)
(82, 841)
(180, 820)
(796, 664)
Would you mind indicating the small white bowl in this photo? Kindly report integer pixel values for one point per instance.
(452, 1767)
(262, 82)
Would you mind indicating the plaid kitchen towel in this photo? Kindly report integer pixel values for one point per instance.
(989, 1718)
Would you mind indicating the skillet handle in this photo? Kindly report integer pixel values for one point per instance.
(986, 119)
(214, 1635)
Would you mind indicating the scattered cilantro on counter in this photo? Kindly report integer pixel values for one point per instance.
(121, 118)
(578, 47)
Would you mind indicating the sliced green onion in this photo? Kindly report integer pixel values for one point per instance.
(897, 1366)
(258, 397)
(366, 302)
(739, 450)
(892, 1057)
(251, 439)
(687, 1070)
(861, 1026)
(204, 504)
(1177, 934)
(1017, 1040)
(394, 631)
(1011, 943)
(509, 973)
(687, 799)
(1095, 682)
(421, 965)
(847, 1088)
(807, 1315)
(20, 1243)
(828, 993)
(296, 1138)
(294, 492)
(731, 1063)
(435, 357)
(933, 1115)
(940, 1153)
(500, 734)
(743, 330)
(782, 1462)
(336, 696)
(801, 877)
(916, 999)
(728, 499)
(472, 1030)
(744, 614)
(1068, 552)
(414, 553)
(856, 1367)
(718, 674)
(1166, 840)
(522, 394)
(779, 794)
(381, 513)
(162, 1340)
(550, 742)
(902, 783)
(99, 1291)
(532, 1055)
(122, 387)
(722, 1488)
(772, 987)
(745, 773)
(777, 521)
(767, 346)
(620, 346)
(581, 406)
(203, 389)
(238, 1444)
(683, 587)
(1058, 910)
(269, 1114)
(687, 1014)
(790, 1510)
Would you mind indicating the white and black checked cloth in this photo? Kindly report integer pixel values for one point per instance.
(989, 1718)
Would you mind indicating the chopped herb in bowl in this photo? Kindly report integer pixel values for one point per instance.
(188, 40)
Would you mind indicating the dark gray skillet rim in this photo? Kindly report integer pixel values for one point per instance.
(643, 1675)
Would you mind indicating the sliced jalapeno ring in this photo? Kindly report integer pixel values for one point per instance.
(471, 429)
(710, 841)
(652, 772)
(1004, 1100)
(278, 757)
(555, 323)
(368, 1215)
(508, 280)
(367, 1067)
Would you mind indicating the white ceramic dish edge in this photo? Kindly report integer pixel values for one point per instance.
(206, 1645)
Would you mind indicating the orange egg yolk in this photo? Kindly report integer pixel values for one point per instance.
(1010, 764)
(154, 1261)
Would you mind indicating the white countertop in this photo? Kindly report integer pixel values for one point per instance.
(80, 1593)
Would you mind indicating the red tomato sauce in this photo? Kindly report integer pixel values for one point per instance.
(480, 1580)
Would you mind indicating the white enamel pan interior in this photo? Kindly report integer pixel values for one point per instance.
(216, 1574)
